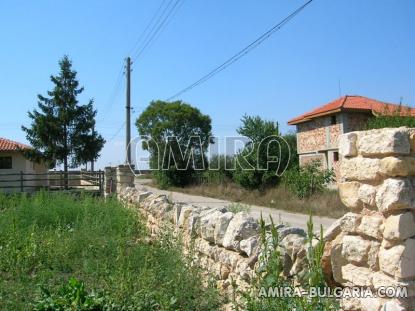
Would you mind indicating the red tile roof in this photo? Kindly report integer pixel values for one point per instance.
(10, 145)
(348, 102)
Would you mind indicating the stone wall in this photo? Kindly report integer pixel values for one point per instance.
(373, 246)
(226, 244)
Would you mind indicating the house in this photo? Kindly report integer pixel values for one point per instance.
(14, 167)
(318, 130)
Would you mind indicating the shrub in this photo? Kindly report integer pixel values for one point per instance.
(307, 180)
(392, 117)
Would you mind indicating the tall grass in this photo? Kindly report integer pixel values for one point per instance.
(49, 238)
(326, 203)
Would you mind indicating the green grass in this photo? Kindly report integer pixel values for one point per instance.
(49, 238)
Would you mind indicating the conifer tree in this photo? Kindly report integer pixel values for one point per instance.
(61, 130)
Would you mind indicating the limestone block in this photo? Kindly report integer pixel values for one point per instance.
(371, 226)
(292, 245)
(337, 261)
(389, 141)
(185, 212)
(370, 304)
(207, 225)
(284, 231)
(177, 208)
(355, 248)
(350, 304)
(412, 140)
(250, 246)
(393, 306)
(397, 166)
(400, 227)
(395, 193)
(348, 192)
(350, 222)
(333, 231)
(360, 169)
(242, 226)
(358, 276)
(399, 261)
(221, 226)
(347, 145)
(382, 280)
(373, 255)
(142, 196)
(367, 194)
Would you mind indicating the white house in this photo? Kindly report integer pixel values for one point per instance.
(16, 171)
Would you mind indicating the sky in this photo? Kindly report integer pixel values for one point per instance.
(332, 48)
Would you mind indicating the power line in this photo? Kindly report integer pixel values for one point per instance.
(147, 27)
(114, 93)
(242, 52)
(157, 27)
(117, 132)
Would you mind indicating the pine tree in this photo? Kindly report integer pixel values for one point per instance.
(62, 129)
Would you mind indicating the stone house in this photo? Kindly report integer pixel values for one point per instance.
(318, 130)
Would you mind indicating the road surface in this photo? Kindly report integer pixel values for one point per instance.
(292, 219)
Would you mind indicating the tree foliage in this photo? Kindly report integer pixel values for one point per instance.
(266, 156)
(177, 136)
(61, 128)
(392, 117)
(306, 180)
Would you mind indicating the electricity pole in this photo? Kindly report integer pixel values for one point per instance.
(92, 160)
(128, 112)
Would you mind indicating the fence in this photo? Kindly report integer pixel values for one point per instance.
(53, 180)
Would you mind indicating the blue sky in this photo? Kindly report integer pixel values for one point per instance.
(368, 45)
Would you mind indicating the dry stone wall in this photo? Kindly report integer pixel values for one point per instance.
(373, 246)
(226, 244)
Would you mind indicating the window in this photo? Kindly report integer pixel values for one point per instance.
(5, 163)
(335, 156)
(333, 120)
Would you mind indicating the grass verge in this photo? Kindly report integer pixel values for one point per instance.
(326, 203)
(50, 238)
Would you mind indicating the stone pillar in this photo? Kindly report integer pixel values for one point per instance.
(124, 177)
(110, 184)
(374, 244)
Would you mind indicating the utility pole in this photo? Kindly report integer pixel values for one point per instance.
(127, 113)
(92, 160)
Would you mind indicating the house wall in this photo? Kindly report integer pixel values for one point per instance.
(319, 134)
(21, 164)
(355, 121)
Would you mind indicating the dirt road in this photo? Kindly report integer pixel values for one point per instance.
(293, 219)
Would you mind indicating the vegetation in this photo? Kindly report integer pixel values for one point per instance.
(265, 157)
(400, 116)
(270, 275)
(238, 207)
(177, 136)
(60, 252)
(326, 203)
(307, 180)
(62, 130)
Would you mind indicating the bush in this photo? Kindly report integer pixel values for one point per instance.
(392, 117)
(307, 180)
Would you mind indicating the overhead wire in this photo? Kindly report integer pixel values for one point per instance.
(242, 52)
